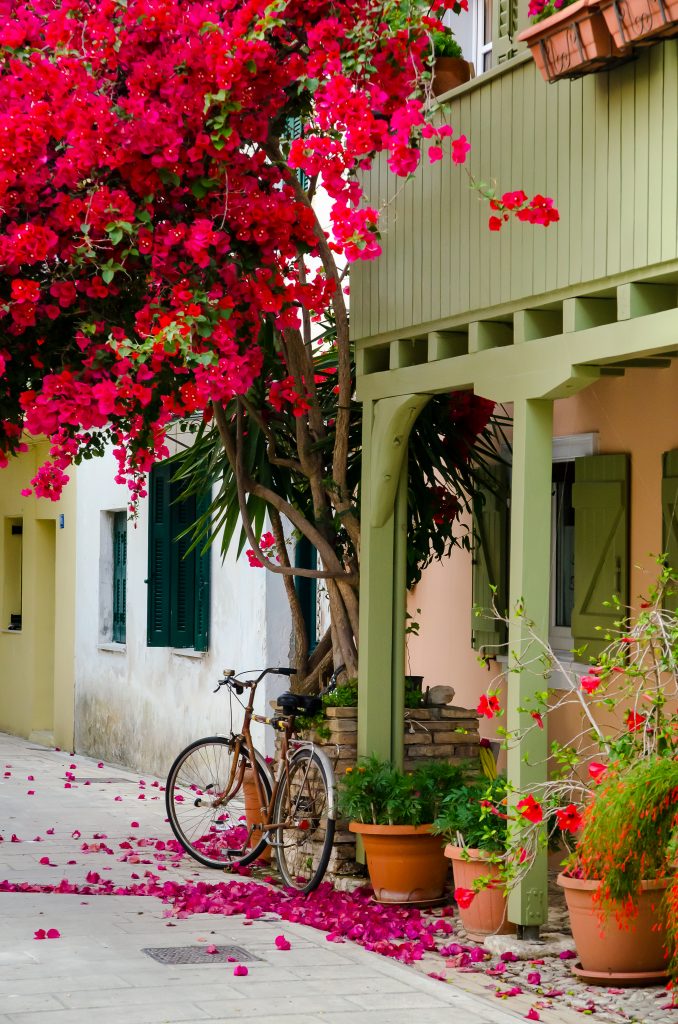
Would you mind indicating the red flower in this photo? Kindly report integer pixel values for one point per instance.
(494, 223)
(464, 897)
(597, 770)
(590, 683)
(634, 721)
(569, 818)
(538, 719)
(488, 706)
(530, 809)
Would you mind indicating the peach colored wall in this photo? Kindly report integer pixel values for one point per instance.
(636, 414)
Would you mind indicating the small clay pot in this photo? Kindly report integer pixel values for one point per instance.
(486, 914)
(252, 811)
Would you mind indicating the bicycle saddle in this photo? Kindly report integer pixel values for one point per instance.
(299, 704)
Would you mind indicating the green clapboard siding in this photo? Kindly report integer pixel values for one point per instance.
(603, 146)
(600, 496)
(490, 563)
(670, 519)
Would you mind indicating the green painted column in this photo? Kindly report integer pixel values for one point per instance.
(399, 610)
(529, 585)
(376, 606)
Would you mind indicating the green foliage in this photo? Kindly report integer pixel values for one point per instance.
(376, 793)
(630, 829)
(345, 695)
(477, 812)
(445, 45)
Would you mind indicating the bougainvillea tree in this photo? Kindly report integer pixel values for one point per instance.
(160, 254)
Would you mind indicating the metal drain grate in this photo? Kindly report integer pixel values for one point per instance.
(199, 955)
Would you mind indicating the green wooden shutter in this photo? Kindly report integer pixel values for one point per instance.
(670, 519)
(159, 550)
(183, 572)
(600, 496)
(294, 129)
(490, 562)
(505, 15)
(203, 561)
(306, 557)
(119, 577)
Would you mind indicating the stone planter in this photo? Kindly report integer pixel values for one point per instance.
(575, 41)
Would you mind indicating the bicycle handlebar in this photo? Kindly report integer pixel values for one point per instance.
(239, 685)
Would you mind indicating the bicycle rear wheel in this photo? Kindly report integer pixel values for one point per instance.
(304, 837)
(206, 799)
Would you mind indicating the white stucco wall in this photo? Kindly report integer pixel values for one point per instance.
(139, 705)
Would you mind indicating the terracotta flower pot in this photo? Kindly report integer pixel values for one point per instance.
(448, 73)
(406, 863)
(252, 811)
(633, 21)
(572, 42)
(630, 954)
(486, 914)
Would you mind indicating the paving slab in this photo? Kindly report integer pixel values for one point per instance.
(97, 969)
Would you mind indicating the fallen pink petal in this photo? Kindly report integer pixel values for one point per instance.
(240, 971)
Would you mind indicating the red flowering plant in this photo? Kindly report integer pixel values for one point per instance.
(162, 258)
(612, 795)
(539, 10)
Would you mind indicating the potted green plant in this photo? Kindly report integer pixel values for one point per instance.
(612, 796)
(569, 38)
(393, 811)
(449, 67)
(473, 822)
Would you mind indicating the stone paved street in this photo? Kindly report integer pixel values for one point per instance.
(102, 827)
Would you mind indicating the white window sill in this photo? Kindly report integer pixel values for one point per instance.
(11, 632)
(113, 648)
(187, 652)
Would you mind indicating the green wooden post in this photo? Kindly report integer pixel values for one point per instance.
(376, 609)
(399, 611)
(529, 584)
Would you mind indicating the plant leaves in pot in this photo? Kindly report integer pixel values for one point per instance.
(449, 68)
(393, 812)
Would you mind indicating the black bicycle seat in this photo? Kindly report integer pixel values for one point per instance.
(299, 704)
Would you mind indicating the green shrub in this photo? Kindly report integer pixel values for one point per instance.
(376, 793)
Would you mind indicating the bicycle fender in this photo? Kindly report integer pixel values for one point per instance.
(263, 764)
(329, 773)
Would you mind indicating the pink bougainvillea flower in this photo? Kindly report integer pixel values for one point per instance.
(51, 933)
(569, 818)
(495, 223)
(488, 705)
(534, 978)
(211, 949)
(134, 824)
(460, 148)
(47, 861)
(509, 957)
(568, 954)
(282, 943)
(532, 1014)
(530, 809)
(464, 897)
(240, 971)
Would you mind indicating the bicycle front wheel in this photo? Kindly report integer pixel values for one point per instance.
(302, 833)
(211, 803)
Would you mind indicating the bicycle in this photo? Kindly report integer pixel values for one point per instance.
(225, 805)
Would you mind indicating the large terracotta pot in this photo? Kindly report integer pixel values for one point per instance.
(448, 73)
(572, 42)
(406, 862)
(635, 21)
(252, 811)
(630, 954)
(486, 915)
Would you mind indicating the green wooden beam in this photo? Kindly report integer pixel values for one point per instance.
(529, 587)
(446, 344)
(533, 370)
(641, 298)
(399, 611)
(582, 313)
(488, 334)
(529, 324)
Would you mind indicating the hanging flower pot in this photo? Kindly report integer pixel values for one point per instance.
(574, 41)
(637, 21)
(613, 948)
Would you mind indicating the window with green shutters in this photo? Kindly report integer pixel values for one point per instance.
(119, 633)
(178, 578)
(595, 522)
